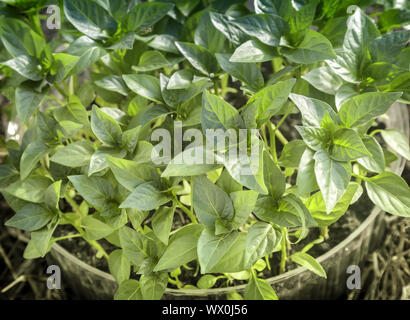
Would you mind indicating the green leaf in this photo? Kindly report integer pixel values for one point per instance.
(162, 223)
(31, 189)
(375, 162)
(332, 177)
(259, 289)
(134, 245)
(19, 39)
(31, 156)
(248, 170)
(31, 217)
(223, 253)
(261, 240)
(186, 6)
(207, 281)
(314, 47)
(253, 51)
(267, 28)
(105, 127)
(199, 57)
(324, 80)
(94, 228)
(362, 108)
(153, 285)
(245, 72)
(347, 145)
(146, 196)
(95, 190)
(76, 154)
(388, 46)
(218, 114)
(27, 101)
(397, 141)
(229, 29)
(316, 138)
(207, 36)
(128, 290)
(98, 161)
(191, 162)
(8, 174)
(130, 174)
(41, 239)
(145, 15)
(145, 85)
(274, 179)
(52, 196)
(112, 83)
(210, 202)
(227, 183)
(119, 266)
(292, 153)
(244, 202)
(312, 110)
(309, 263)
(182, 248)
(317, 208)
(390, 193)
(346, 65)
(268, 102)
(361, 30)
(90, 19)
(27, 66)
(153, 60)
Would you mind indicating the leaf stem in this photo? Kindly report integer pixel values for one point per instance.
(284, 253)
(190, 214)
(272, 141)
(69, 236)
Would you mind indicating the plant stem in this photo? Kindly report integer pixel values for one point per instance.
(272, 141)
(324, 232)
(69, 236)
(278, 134)
(61, 91)
(216, 86)
(190, 214)
(284, 256)
(267, 262)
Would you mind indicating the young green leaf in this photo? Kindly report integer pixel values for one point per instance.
(224, 253)
(199, 57)
(362, 108)
(309, 263)
(374, 162)
(211, 202)
(105, 127)
(153, 285)
(128, 290)
(332, 177)
(259, 289)
(146, 196)
(261, 240)
(119, 266)
(95, 190)
(76, 154)
(347, 145)
(145, 85)
(162, 223)
(90, 19)
(31, 156)
(253, 51)
(397, 141)
(390, 193)
(32, 217)
(182, 248)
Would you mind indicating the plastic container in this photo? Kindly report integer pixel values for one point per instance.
(90, 283)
